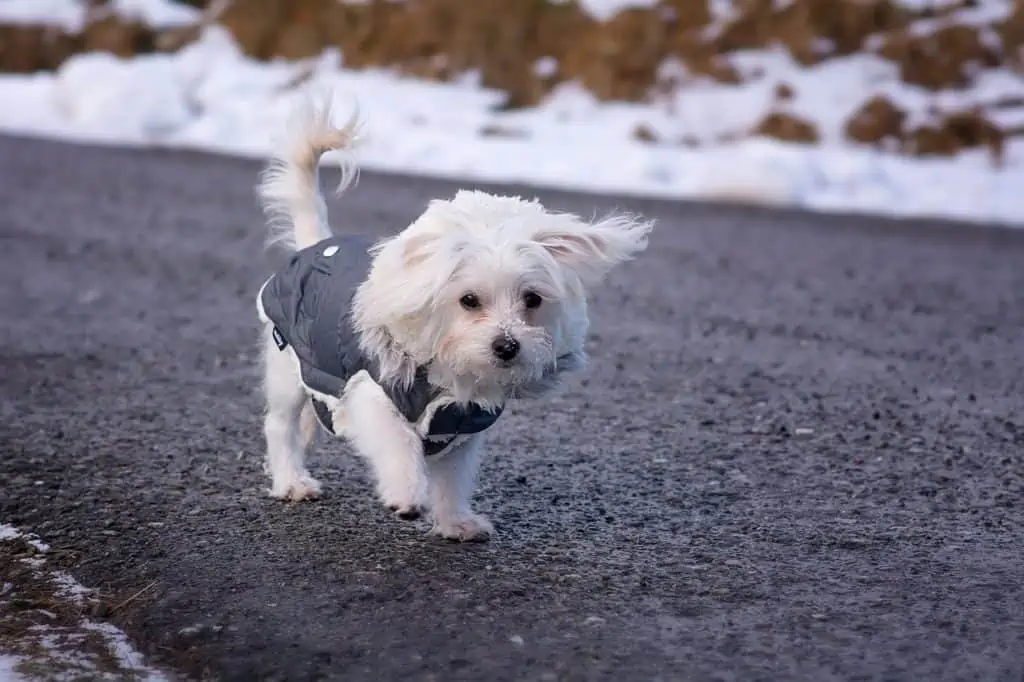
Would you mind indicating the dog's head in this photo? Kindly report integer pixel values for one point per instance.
(490, 292)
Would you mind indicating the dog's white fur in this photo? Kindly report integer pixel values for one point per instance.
(409, 314)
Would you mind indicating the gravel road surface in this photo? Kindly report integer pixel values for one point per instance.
(797, 456)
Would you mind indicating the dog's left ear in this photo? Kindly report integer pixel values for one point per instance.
(592, 249)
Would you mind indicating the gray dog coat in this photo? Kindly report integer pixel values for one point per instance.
(309, 302)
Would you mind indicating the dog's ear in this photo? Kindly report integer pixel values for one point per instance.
(408, 271)
(417, 249)
(592, 249)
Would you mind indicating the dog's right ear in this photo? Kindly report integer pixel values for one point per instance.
(417, 249)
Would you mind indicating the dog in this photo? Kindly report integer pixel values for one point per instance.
(410, 347)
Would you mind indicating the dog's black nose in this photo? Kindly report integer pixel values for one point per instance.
(505, 348)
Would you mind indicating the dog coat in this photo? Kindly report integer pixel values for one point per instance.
(309, 302)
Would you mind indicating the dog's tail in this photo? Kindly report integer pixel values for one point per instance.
(289, 189)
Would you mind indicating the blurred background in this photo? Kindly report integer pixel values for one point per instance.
(906, 107)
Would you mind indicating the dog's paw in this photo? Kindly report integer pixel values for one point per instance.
(297, 489)
(407, 499)
(467, 528)
(410, 513)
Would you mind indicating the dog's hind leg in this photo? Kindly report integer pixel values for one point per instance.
(285, 427)
(308, 427)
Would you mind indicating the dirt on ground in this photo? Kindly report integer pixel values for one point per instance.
(525, 48)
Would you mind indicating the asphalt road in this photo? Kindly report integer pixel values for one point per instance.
(797, 456)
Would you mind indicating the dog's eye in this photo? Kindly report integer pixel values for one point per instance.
(470, 301)
(532, 300)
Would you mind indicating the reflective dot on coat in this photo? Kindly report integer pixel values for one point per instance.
(330, 251)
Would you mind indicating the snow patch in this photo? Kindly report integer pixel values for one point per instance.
(7, 669)
(61, 647)
(157, 13)
(66, 14)
(603, 10)
(8, 532)
(71, 14)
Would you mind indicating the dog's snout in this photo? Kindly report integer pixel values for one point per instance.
(505, 348)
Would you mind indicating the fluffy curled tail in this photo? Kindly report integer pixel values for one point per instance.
(289, 188)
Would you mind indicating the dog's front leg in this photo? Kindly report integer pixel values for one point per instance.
(452, 480)
(379, 433)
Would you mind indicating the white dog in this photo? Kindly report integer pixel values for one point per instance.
(411, 347)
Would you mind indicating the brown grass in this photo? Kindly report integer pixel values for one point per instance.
(787, 127)
(618, 59)
(878, 121)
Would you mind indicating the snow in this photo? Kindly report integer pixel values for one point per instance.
(64, 13)
(210, 96)
(70, 14)
(8, 532)
(11, 533)
(126, 656)
(603, 10)
(7, 671)
(64, 649)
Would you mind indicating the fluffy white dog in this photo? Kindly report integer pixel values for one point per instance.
(411, 347)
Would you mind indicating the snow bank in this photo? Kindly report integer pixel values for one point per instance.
(210, 96)
(70, 14)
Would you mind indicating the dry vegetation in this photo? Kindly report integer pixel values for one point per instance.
(619, 59)
(46, 626)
